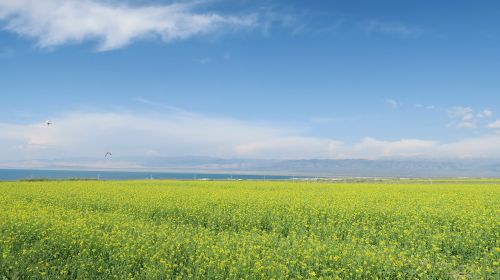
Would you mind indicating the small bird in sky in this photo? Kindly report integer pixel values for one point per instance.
(48, 123)
(108, 154)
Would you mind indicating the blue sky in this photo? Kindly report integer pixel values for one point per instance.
(279, 79)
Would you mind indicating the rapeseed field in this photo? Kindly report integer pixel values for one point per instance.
(249, 230)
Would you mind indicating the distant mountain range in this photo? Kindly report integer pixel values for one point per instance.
(303, 167)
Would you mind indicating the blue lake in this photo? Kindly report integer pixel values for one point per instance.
(19, 174)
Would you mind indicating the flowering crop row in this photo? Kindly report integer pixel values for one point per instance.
(249, 230)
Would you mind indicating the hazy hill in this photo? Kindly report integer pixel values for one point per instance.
(310, 167)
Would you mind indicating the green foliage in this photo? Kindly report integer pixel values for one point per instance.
(249, 230)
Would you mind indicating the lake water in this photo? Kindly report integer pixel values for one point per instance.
(19, 174)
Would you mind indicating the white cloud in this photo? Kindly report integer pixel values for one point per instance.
(486, 113)
(176, 133)
(91, 134)
(204, 60)
(158, 104)
(428, 107)
(333, 120)
(291, 148)
(465, 117)
(487, 146)
(495, 125)
(393, 103)
(372, 148)
(377, 26)
(113, 24)
(180, 133)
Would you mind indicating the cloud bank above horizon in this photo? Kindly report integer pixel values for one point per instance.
(181, 133)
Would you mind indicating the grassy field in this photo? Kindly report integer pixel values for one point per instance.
(249, 230)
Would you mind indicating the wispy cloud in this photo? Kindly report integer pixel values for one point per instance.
(332, 120)
(292, 147)
(269, 18)
(397, 28)
(204, 60)
(465, 117)
(485, 146)
(392, 103)
(373, 148)
(114, 24)
(486, 113)
(157, 104)
(427, 107)
(495, 125)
